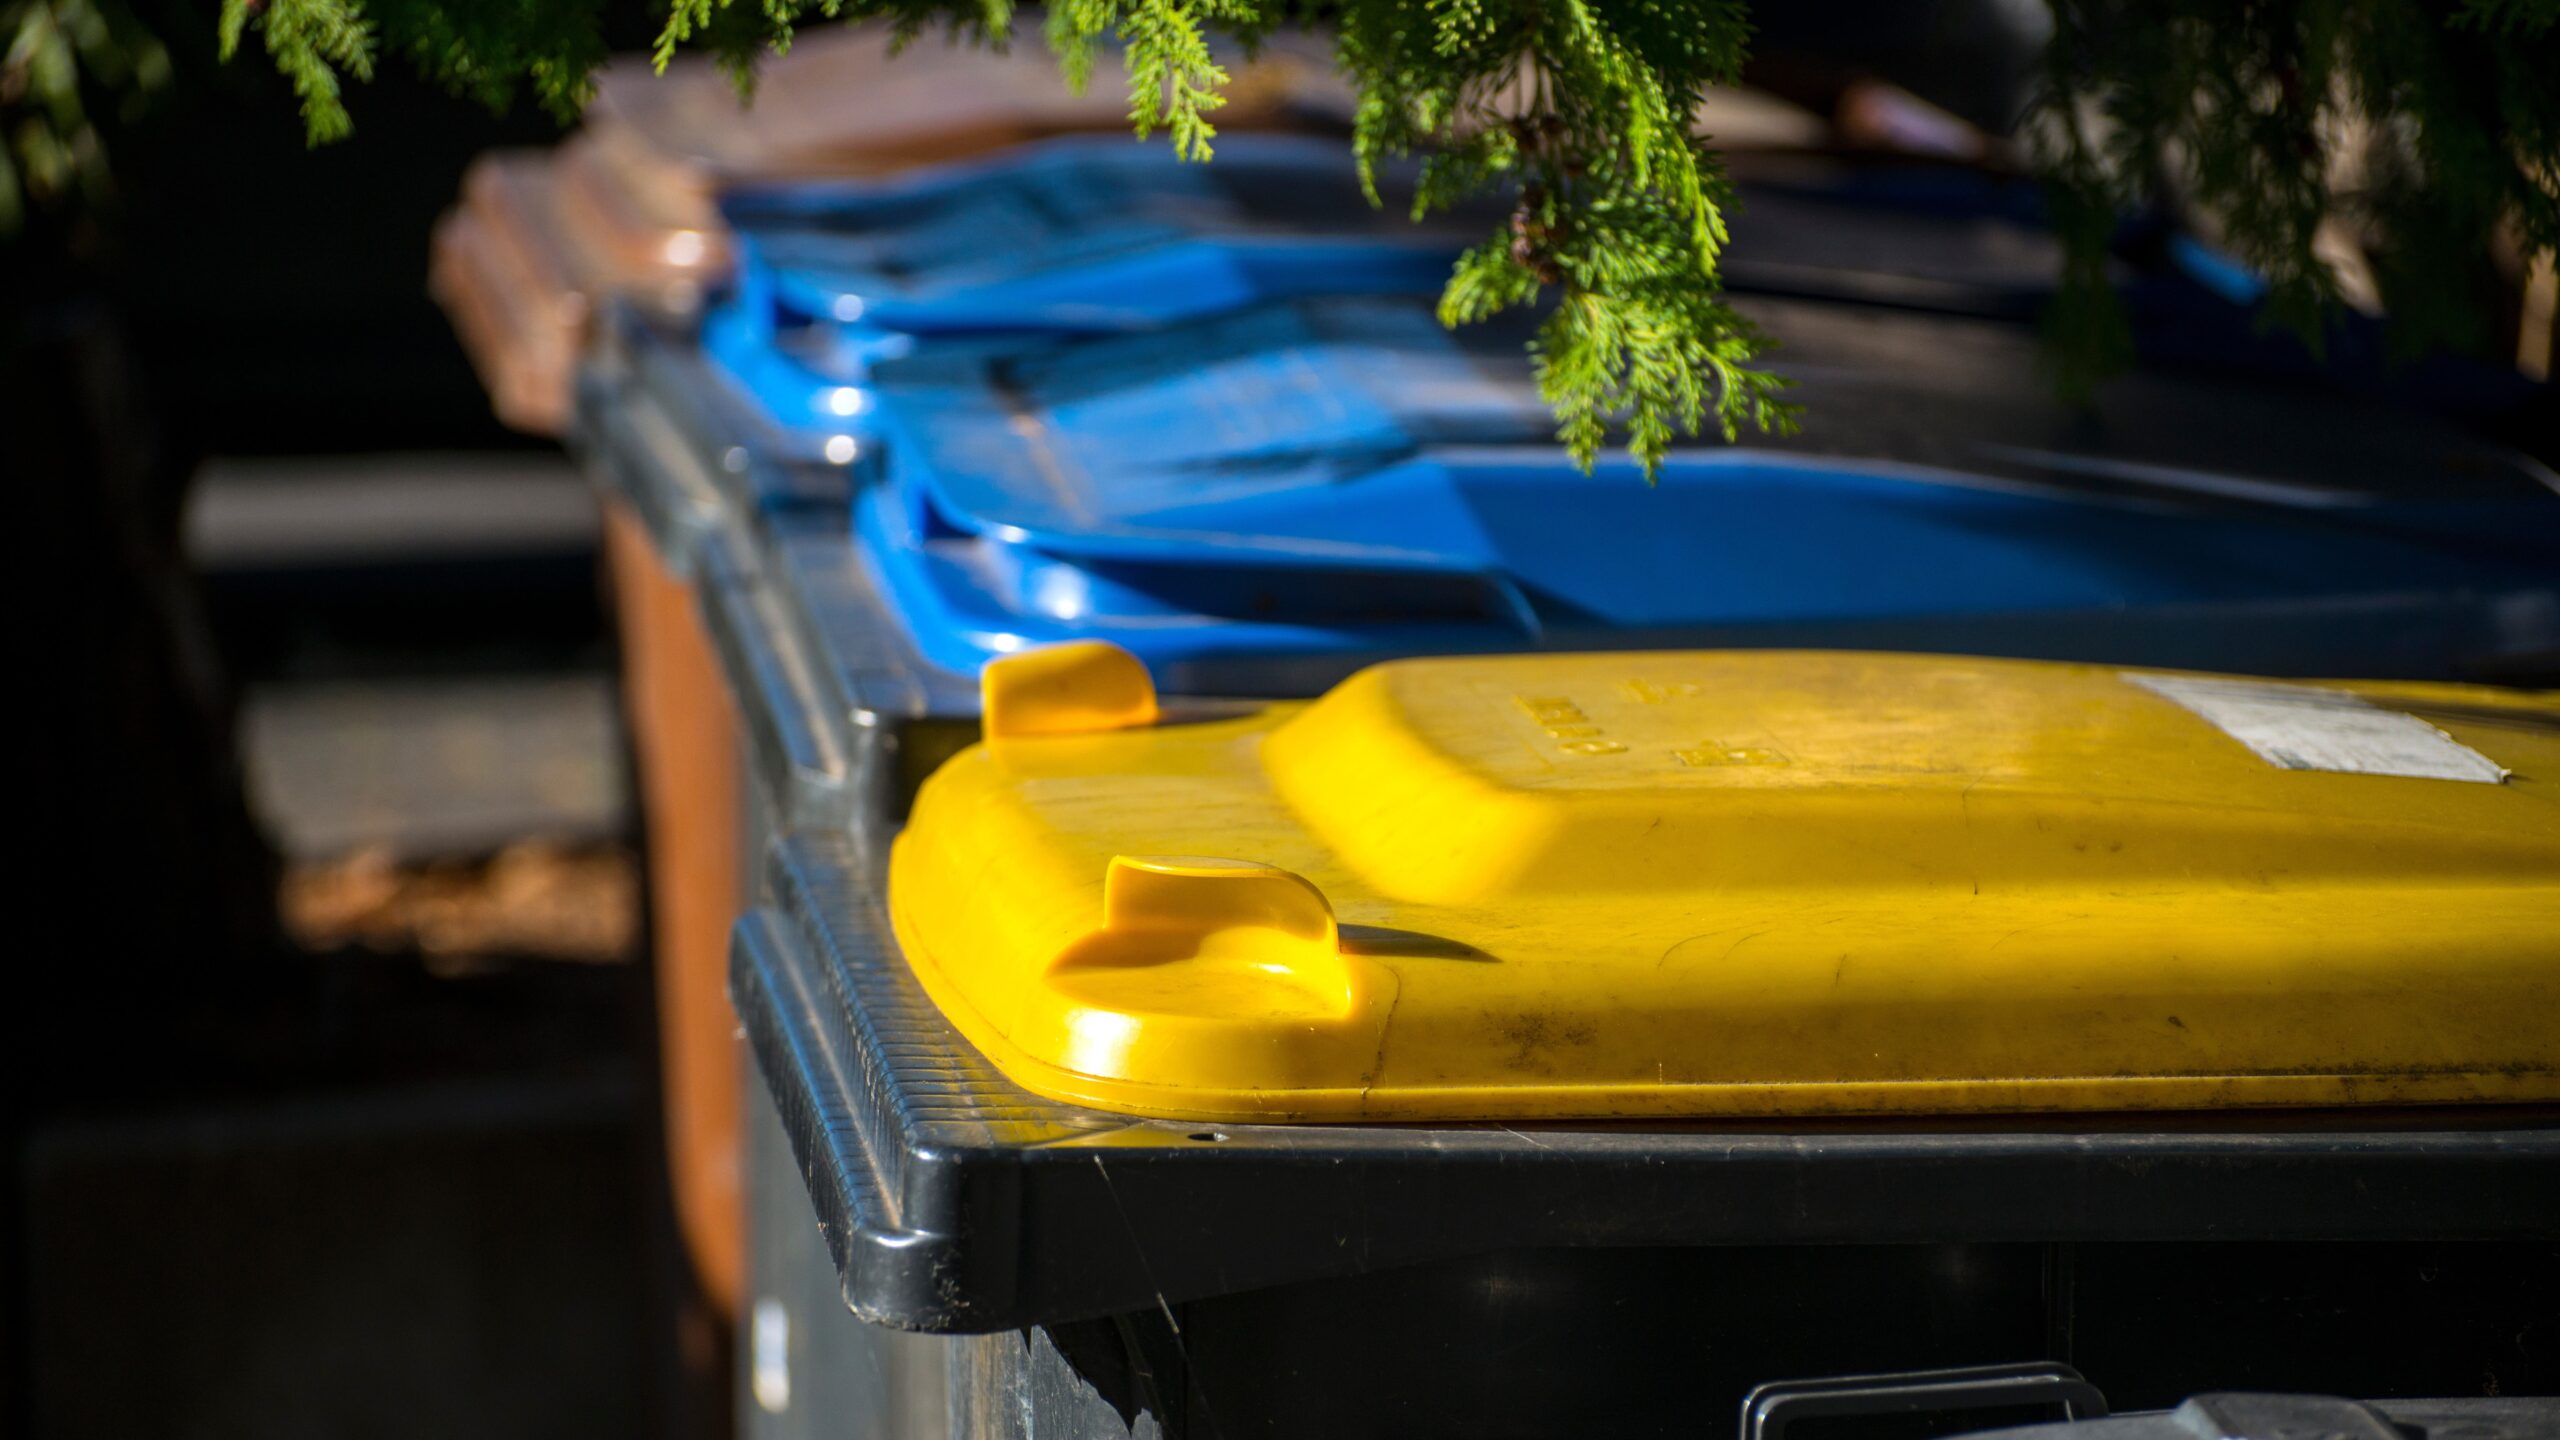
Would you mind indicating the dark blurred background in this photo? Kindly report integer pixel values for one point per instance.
(330, 1105)
(325, 1112)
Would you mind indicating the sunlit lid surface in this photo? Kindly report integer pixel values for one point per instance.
(1347, 477)
(1730, 883)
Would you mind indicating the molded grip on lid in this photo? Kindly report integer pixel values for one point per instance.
(1254, 939)
(1076, 688)
(1211, 972)
(1199, 894)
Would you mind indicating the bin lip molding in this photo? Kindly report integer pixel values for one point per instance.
(956, 1201)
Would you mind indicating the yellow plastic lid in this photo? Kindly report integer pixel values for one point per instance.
(1748, 883)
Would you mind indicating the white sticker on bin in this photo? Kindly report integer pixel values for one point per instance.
(2304, 727)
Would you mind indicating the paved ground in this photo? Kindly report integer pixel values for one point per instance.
(417, 646)
(404, 1184)
(334, 510)
(435, 767)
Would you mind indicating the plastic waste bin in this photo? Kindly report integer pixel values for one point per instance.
(1710, 1018)
(1075, 236)
(1950, 512)
(1347, 478)
(629, 204)
(670, 435)
(1096, 235)
(1259, 503)
(625, 214)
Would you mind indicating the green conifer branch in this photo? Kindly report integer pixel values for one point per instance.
(2417, 128)
(58, 58)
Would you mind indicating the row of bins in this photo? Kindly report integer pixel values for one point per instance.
(1813, 919)
(628, 207)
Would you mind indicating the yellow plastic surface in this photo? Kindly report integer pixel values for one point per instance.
(1755, 883)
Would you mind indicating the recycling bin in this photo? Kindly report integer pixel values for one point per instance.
(629, 204)
(683, 444)
(1093, 236)
(1344, 478)
(683, 734)
(625, 215)
(1415, 476)
(1259, 500)
(1544, 1045)
(1068, 237)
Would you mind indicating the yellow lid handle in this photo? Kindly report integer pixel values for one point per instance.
(1076, 688)
(1217, 968)
(1198, 894)
(1241, 928)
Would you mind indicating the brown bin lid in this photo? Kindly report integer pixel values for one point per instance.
(841, 104)
(514, 331)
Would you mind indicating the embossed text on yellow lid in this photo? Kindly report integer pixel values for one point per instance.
(1754, 883)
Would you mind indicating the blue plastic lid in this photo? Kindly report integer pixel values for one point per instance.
(1065, 237)
(1103, 235)
(1345, 477)
(1088, 236)
(943, 248)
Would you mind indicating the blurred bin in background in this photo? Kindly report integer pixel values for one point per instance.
(1094, 236)
(629, 205)
(2182, 1027)
(1329, 481)
(1069, 237)
(684, 735)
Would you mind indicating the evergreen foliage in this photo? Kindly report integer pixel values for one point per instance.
(59, 59)
(1581, 109)
(2418, 127)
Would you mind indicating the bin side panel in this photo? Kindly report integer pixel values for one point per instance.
(685, 736)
